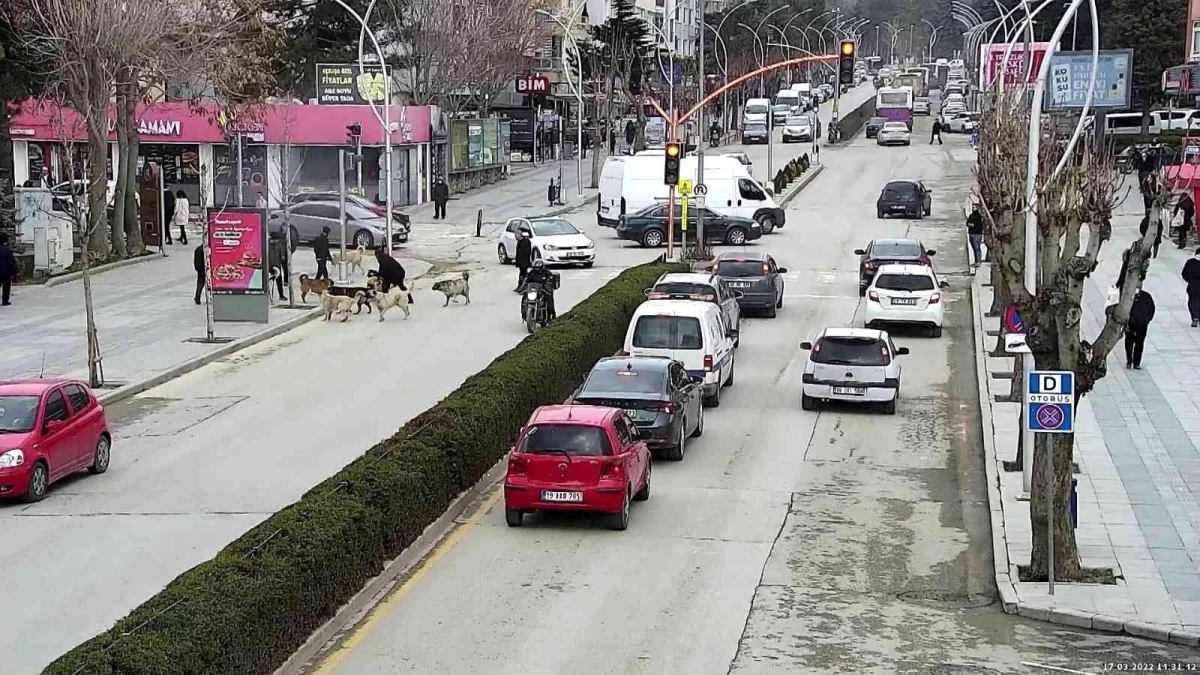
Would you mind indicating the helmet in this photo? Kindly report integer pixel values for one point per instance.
(539, 263)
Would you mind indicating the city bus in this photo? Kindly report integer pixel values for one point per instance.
(895, 104)
(912, 80)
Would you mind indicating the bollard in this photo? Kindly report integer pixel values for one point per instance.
(1074, 503)
(479, 224)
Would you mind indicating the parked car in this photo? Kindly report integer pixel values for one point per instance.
(894, 133)
(756, 276)
(363, 226)
(874, 125)
(904, 198)
(882, 252)
(704, 288)
(657, 394)
(377, 209)
(953, 108)
(798, 128)
(755, 132)
(905, 294)
(962, 123)
(577, 458)
(648, 227)
(921, 106)
(555, 241)
(857, 365)
(49, 429)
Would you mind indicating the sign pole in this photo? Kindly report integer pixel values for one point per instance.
(239, 137)
(342, 211)
(671, 223)
(1050, 485)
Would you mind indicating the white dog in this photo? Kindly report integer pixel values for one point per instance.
(354, 259)
(339, 304)
(395, 297)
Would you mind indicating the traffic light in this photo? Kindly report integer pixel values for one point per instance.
(674, 153)
(846, 62)
(353, 133)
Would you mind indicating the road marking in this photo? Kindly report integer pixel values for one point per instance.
(1056, 668)
(827, 277)
(816, 296)
(383, 609)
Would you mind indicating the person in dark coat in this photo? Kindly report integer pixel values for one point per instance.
(1140, 316)
(975, 234)
(277, 262)
(321, 251)
(8, 270)
(391, 272)
(524, 258)
(552, 192)
(937, 132)
(1145, 225)
(168, 212)
(198, 263)
(1191, 275)
(441, 195)
(1188, 207)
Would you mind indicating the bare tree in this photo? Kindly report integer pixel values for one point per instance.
(1074, 208)
(503, 38)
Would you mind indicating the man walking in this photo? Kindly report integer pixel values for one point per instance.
(1188, 207)
(552, 193)
(1191, 275)
(441, 195)
(277, 263)
(1140, 316)
(937, 132)
(975, 233)
(168, 213)
(321, 251)
(524, 257)
(198, 263)
(8, 270)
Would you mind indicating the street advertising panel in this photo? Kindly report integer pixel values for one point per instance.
(1014, 68)
(237, 242)
(1067, 83)
(347, 83)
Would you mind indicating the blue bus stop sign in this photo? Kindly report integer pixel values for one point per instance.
(1051, 396)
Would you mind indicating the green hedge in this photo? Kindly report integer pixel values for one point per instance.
(249, 608)
(853, 122)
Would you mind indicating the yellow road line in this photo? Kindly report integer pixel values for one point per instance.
(331, 662)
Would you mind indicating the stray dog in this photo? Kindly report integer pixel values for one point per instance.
(363, 293)
(340, 304)
(395, 297)
(354, 259)
(452, 288)
(375, 285)
(314, 286)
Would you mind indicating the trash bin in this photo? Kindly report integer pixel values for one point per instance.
(1074, 503)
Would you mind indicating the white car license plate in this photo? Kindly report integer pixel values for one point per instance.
(553, 496)
(849, 391)
(577, 254)
(904, 301)
(640, 415)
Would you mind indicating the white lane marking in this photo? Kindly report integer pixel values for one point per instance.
(827, 277)
(1056, 668)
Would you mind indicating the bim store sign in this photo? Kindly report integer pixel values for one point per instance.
(1014, 68)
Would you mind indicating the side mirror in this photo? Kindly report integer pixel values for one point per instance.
(54, 425)
(901, 351)
(860, 251)
(930, 253)
(738, 295)
(943, 284)
(806, 345)
(647, 292)
(769, 190)
(781, 270)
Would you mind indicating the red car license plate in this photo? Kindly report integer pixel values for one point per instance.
(557, 496)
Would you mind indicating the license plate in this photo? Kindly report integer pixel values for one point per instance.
(552, 496)
(849, 391)
(899, 208)
(577, 255)
(739, 284)
(904, 301)
(640, 415)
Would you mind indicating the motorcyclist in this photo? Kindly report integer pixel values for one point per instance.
(539, 274)
(714, 132)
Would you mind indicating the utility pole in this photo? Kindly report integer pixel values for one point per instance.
(700, 128)
(342, 210)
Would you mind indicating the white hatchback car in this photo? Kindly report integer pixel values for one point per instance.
(857, 365)
(908, 294)
(893, 132)
(555, 241)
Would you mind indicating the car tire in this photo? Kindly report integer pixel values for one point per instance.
(513, 517)
(779, 303)
(921, 214)
(889, 408)
(619, 521)
(936, 332)
(652, 238)
(807, 402)
(676, 450)
(101, 455)
(644, 494)
(699, 430)
(502, 255)
(929, 211)
(767, 223)
(295, 238)
(39, 483)
(732, 370)
(771, 312)
(587, 265)
(713, 401)
(363, 238)
(736, 236)
(879, 214)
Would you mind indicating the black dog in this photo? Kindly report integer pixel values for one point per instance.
(348, 291)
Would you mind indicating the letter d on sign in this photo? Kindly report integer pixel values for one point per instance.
(1048, 385)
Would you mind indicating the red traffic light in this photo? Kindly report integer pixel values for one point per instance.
(672, 150)
(847, 47)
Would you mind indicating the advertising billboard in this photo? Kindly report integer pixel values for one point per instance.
(237, 243)
(1067, 82)
(347, 83)
(1014, 68)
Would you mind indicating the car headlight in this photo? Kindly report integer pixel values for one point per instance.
(548, 247)
(12, 458)
(590, 245)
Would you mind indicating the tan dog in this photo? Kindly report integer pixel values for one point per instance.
(395, 297)
(311, 285)
(340, 304)
(354, 259)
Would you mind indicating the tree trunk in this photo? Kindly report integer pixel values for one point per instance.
(1066, 555)
(121, 176)
(97, 227)
(95, 378)
(133, 225)
(608, 124)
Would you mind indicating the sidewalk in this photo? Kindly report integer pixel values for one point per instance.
(1136, 445)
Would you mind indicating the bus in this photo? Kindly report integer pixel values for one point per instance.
(912, 80)
(895, 104)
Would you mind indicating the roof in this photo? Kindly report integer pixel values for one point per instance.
(571, 414)
(32, 386)
(893, 242)
(848, 331)
(742, 255)
(646, 363)
(675, 308)
(686, 278)
(893, 268)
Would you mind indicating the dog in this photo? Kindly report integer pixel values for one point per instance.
(354, 259)
(452, 288)
(395, 297)
(375, 285)
(340, 304)
(314, 286)
(354, 291)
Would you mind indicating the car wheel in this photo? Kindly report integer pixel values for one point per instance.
(39, 482)
(889, 408)
(767, 223)
(929, 211)
(713, 401)
(699, 430)
(676, 450)
(771, 312)
(513, 517)
(295, 238)
(936, 332)
(644, 494)
(735, 237)
(102, 455)
(589, 264)
(652, 239)
(779, 303)
(364, 238)
(732, 370)
(502, 255)
(807, 402)
(921, 214)
(620, 520)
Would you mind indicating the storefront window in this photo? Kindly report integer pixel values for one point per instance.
(180, 164)
(254, 174)
(49, 158)
(315, 169)
(475, 143)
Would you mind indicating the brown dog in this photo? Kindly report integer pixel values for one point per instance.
(314, 286)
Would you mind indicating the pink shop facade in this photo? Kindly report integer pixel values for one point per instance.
(287, 148)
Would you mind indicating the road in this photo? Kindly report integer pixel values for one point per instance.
(786, 541)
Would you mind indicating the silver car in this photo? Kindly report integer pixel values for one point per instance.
(894, 133)
(798, 128)
(920, 106)
(363, 227)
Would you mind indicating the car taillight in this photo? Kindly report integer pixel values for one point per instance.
(708, 361)
(766, 269)
(873, 296)
(869, 265)
(667, 408)
(517, 465)
(935, 298)
(611, 469)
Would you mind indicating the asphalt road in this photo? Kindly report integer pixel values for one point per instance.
(786, 541)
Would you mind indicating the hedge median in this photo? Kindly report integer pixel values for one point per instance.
(249, 608)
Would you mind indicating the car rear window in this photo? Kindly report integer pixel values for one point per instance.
(668, 332)
(850, 351)
(18, 414)
(900, 190)
(904, 282)
(895, 250)
(576, 440)
(756, 126)
(624, 380)
(735, 269)
(703, 291)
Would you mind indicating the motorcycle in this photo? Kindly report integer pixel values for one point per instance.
(714, 138)
(534, 308)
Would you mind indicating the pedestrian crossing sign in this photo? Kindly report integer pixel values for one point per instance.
(685, 186)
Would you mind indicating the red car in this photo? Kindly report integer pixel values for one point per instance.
(577, 458)
(49, 429)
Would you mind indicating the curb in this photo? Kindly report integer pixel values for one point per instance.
(100, 269)
(1004, 581)
(791, 192)
(567, 208)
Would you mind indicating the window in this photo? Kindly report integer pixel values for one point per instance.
(851, 351)
(756, 108)
(18, 414)
(323, 210)
(904, 282)
(575, 440)
(79, 397)
(623, 381)
(668, 332)
(624, 434)
(1195, 38)
(738, 269)
(896, 249)
(550, 228)
(750, 191)
(56, 407)
(685, 288)
(680, 376)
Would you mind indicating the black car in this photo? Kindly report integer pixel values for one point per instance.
(656, 392)
(904, 198)
(889, 251)
(648, 227)
(874, 125)
(756, 277)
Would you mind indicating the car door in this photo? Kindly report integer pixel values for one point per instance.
(722, 347)
(628, 440)
(689, 395)
(777, 273)
(729, 304)
(508, 238)
(894, 367)
(58, 443)
(926, 196)
(86, 419)
(304, 217)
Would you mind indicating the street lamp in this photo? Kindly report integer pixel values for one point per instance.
(578, 91)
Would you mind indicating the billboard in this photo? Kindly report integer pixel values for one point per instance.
(348, 83)
(237, 242)
(1014, 69)
(1067, 82)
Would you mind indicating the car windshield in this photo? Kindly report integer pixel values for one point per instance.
(756, 109)
(667, 332)
(631, 380)
(576, 440)
(797, 121)
(904, 282)
(733, 269)
(685, 288)
(906, 191)
(550, 228)
(896, 249)
(18, 414)
(850, 351)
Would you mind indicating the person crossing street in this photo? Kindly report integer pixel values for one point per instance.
(937, 132)
(321, 251)
(441, 195)
(524, 258)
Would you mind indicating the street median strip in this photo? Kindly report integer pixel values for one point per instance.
(259, 599)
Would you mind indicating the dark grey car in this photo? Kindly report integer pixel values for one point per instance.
(874, 125)
(363, 227)
(756, 276)
(754, 132)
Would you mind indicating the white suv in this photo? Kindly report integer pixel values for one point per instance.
(856, 365)
(908, 294)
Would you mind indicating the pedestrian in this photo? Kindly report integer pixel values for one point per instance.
(277, 262)
(260, 201)
(168, 213)
(198, 263)
(552, 193)
(183, 211)
(8, 270)
(1188, 206)
(391, 272)
(612, 141)
(1120, 283)
(937, 132)
(321, 251)
(1140, 316)
(524, 257)
(1191, 275)
(1145, 225)
(441, 195)
(975, 233)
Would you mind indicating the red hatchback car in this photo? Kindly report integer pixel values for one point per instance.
(49, 429)
(577, 458)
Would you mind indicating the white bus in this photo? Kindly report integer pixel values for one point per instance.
(895, 104)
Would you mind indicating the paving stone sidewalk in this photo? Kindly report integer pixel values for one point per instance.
(1136, 446)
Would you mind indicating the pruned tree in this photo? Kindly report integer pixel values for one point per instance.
(1074, 207)
(431, 48)
(626, 40)
(501, 37)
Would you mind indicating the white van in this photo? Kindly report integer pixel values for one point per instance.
(629, 184)
(788, 98)
(1126, 124)
(690, 332)
(1180, 118)
(756, 110)
(802, 88)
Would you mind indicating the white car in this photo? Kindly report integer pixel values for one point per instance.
(893, 133)
(856, 365)
(962, 123)
(905, 294)
(953, 108)
(798, 128)
(555, 241)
